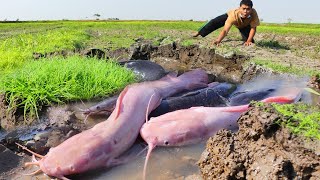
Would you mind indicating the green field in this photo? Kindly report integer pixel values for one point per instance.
(31, 83)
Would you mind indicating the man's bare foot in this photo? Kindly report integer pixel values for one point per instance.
(195, 34)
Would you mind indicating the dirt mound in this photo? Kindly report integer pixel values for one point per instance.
(177, 57)
(261, 149)
(315, 82)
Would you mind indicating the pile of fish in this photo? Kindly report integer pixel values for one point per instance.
(182, 110)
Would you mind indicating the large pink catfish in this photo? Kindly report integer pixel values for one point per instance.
(102, 145)
(193, 125)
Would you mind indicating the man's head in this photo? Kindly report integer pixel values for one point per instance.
(245, 8)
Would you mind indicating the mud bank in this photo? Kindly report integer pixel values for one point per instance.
(175, 57)
(221, 65)
(261, 149)
(56, 124)
(230, 67)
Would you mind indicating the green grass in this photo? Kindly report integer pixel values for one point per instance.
(116, 34)
(60, 80)
(301, 119)
(15, 51)
(120, 34)
(292, 28)
(187, 42)
(272, 44)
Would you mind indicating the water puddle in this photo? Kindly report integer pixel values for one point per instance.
(164, 163)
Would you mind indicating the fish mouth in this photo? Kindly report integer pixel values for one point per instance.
(54, 172)
(152, 142)
(44, 168)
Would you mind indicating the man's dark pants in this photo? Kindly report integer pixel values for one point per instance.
(219, 22)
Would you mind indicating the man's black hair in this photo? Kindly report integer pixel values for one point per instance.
(247, 3)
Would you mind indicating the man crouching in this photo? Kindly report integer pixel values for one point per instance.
(245, 18)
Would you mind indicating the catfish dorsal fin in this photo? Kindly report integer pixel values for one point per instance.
(236, 108)
(149, 107)
(170, 75)
(119, 102)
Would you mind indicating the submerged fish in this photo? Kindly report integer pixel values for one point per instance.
(215, 95)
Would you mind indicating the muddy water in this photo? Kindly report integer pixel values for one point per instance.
(167, 163)
(2, 134)
(164, 163)
(283, 85)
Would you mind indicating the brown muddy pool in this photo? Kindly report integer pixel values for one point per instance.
(164, 163)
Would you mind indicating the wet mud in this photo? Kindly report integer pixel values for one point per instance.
(261, 149)
(7, 116)
(57, 124)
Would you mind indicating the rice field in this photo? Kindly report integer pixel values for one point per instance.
(31, 83)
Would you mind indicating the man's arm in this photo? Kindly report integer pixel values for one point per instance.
(251, 35)
(222, 34)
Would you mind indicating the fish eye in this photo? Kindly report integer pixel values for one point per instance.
(166, 142)
(72, 168)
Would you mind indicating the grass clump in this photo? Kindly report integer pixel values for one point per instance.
(15, 51)
(60, 80)
(272, 44)
(188, 42)
(301, 119)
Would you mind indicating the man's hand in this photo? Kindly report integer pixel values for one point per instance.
(250, 38)
(247, 43)
(215, 42)
(222, 34)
